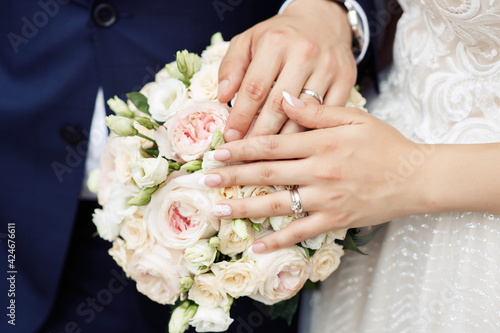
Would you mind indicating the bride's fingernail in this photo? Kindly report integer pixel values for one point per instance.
(293, 101)
(210, 180)
(233, 135)
(223, 87)
(221, 155)
(221, 210)
(257, 248)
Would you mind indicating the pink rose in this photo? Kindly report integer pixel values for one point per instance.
(188, 134)
(285, 271)
(179, 213)
(157, 273)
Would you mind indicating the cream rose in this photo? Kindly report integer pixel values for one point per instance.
(157, 273)
(162, 75)
(199, 255)
(107, 230)
(239, 278)
(135, 232)
(179, 213)
(166, 98)
(127, 152)
(228, 193)
(325, 261)
(188, 135)
(279, 222)
(148, 172)
(108, 170)
(206, 291)
(285, 271)
(331, 236)
(356, 100)
(230, 243)
(204, 83)
(214, 53)
(209, 319)
(120, 254)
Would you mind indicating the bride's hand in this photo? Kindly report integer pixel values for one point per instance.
(352, 172)
(308, 46)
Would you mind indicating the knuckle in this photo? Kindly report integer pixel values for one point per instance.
(273, 245)
(298, 235)
(266, 173)
(276, 207)
(276, 37)
(270, 144)
(255, 91)
(319, 114)
(308, 49)
(276, 106)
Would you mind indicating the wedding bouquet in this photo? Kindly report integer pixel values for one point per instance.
(158, 215)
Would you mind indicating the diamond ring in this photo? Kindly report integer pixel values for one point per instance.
(296, 206)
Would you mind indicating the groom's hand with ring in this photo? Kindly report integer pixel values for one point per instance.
(346, 169)
(308, 47)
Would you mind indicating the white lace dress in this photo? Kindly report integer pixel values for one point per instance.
(431, 273)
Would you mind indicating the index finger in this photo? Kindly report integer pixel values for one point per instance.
(269, 147)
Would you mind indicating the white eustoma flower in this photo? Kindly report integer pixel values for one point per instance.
(209, 319)
(166, 98)
(148, 172)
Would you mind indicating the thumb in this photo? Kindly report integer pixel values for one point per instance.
(312, 115)
(233, 67)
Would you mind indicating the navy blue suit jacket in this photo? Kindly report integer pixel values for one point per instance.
(54, 54)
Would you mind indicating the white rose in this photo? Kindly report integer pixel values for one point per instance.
(210, 163)
(107, 229)
(108, 220)
(325, 261)
(127, 152)
(230, 243)
(331, 236)
(148, 172)
(315, 242)
(120, 254)
(108, 169)
(162, 75)
(285, 271)
(209, 319)
(239, 278)
(279, 222)
(213, 54)
(198, 255)
(166, 99)
(204, 83)
(356, 100)
(157, 273)
(206, 291)
(179, 213)
(135, 233)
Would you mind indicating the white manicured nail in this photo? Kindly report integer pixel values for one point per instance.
(288, 98)
(221, 210)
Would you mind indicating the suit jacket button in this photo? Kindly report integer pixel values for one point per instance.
(104, 15)
(71, 135)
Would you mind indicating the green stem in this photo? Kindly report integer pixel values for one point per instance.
(145, 137)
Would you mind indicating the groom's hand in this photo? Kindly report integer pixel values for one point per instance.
(308, 46)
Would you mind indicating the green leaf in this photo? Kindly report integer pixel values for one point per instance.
(140, 101)
(309, 285)
(363, 240)
(151, 151)
(285, 309)
(352, 240)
